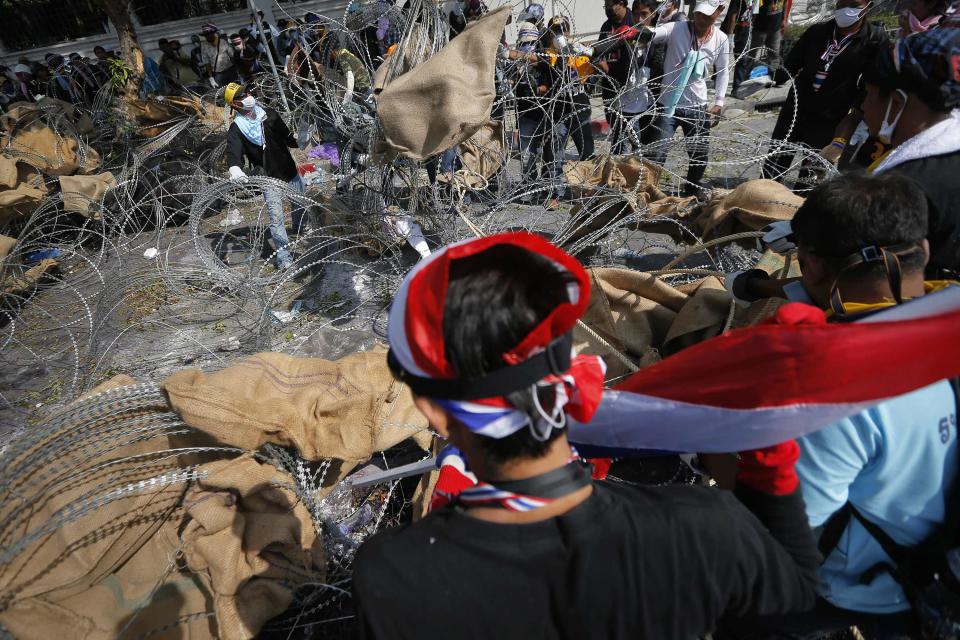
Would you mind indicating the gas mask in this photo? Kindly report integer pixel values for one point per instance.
(887, 127)
(848, 16)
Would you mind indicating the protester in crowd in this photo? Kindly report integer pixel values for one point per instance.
(196, 56)
(632, 125)
(556, 89)
(356, 76)
(862, 243)
(26, 85)
(216, 57)
(580, 70)
(826, 63)
(617, 61)
(662, 14)
(260, 136)
(61, 85)
(533, 13)
(913, 102)
(528, 545)
(918, 16)
(177, 68)
(286, 40)
(692, 47)
(756, 34)
(270, 33)
(245, 58)
(103, 55)
(531, 110)
(153, 80)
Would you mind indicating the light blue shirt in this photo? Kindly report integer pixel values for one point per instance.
(893, 462)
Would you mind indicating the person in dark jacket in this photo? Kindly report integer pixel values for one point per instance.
(262, 138)
(913, 102)
(521, 542)
(826, 63)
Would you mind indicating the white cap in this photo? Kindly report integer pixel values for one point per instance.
(707, 7)
(527, 32)
(21, 68)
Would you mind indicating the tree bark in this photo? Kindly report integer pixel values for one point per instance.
(118, 11)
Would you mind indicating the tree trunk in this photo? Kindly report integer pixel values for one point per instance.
(118, 11)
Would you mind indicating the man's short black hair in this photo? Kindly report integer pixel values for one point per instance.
(855, 211)
(494, 299)
(616, 2)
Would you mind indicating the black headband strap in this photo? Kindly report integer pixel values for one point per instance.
(555, 360)
(891, 267)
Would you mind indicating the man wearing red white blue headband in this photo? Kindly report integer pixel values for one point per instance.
(522, 542)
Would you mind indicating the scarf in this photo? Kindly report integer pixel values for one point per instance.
(833, 50)
(252, 128)
(457, 484)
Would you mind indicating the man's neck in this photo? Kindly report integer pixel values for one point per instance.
(878, 291)
(557, 456)
(910, 124)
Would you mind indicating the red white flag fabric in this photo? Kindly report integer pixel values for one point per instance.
(758, 386)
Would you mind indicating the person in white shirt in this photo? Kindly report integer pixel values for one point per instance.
(692, 47)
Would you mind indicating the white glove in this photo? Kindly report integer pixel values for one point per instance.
(237, 175)
(213, 82)
(778, 237)
(581, 49)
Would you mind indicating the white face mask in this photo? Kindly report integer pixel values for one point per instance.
(248, 103)
(887, 127)
(848, 16)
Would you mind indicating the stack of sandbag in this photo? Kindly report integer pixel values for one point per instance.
(438, 104)
(609, 188)
(125, 523)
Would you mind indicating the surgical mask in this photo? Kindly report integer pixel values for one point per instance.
(248, 103)
(887, 127)
(848, 16)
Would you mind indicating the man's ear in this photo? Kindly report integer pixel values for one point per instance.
(925, 245)
(437, 418)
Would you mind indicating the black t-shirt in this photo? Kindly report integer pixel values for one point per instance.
(618, 59)
(839, 92)
(940, 178)
(657, 562)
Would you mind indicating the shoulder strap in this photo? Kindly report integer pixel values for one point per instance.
(832, 529)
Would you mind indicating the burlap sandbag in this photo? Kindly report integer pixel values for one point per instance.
(87, 575)
(251, 541)
(6, 246)
(644, 318)
(610, 188)
(41, 147)
(482, 157)
(8, 173)
(82, 194)
(23, 114)
(751, 206)
(14, 281)
(18, 203)
(346, 409)
(442, 102)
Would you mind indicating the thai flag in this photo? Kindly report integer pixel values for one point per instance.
(762, 385)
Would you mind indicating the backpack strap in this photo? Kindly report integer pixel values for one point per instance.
(833, 529)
